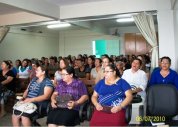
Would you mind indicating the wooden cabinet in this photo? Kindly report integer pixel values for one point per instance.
(136, 44)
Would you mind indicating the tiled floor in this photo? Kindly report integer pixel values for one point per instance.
(6, 121)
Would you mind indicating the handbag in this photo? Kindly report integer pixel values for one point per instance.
(62, 100)
(136, 98)
(24, 108)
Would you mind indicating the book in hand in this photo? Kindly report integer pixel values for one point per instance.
(157, 123)
(107, 109)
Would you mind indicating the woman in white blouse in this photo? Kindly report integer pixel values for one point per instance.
(94, 71)
(24, 71)
(63, 63)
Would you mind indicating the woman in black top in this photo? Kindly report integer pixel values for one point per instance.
(6, 83)
(7, 77)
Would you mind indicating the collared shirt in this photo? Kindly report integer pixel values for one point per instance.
(138, 79)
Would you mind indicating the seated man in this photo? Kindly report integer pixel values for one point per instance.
(38, 92)
(138, 80)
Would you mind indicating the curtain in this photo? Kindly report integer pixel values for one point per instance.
(145, 24)
(3, 31)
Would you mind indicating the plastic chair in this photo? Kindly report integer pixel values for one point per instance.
(161, 105)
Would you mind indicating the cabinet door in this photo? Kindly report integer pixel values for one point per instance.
(130, 43)
(136, 44)
(141, 44)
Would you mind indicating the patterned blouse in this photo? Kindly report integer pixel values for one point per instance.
(76, 88)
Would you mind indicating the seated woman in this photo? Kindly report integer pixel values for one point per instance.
(111, 96)
(7, 76)
(100, 75)
(7, 86)
(23, 75)
(95, 71)
(68, 85)
(23, 71)
(89, 66)
(120, 67)
(164, 75)
(38, 92)
(35, 65)
(62, 64)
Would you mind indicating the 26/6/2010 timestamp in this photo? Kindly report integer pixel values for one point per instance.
(150, 118)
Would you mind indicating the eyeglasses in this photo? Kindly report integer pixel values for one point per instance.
(108, 71)
(164, 63)
(64, 74)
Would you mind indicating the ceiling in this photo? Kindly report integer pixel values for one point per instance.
(6, 9)
(105, 22)
(70, 2)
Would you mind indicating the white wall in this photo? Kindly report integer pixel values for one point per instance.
(79, 41)
(122, 31)
(20, 45)
(176, 31)
(167, 36)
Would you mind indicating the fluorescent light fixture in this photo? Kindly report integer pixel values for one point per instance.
(52, 22)
(59, 25)
(125, 20)
(124, 16)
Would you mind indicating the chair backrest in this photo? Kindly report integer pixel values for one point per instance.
(162, 100)
(128, 113)
(22, 84)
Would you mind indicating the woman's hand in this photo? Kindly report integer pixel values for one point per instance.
(71, 104)
(98, 107)
(53, 103)
(116, 109)
(28, 100)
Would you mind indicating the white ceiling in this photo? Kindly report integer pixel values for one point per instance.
(6, 9)
(106, 22)
(70, 2)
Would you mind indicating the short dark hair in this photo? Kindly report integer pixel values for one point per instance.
(70, 70)
(167, 58)
(99, 60)
(114, 68)
(137, 60)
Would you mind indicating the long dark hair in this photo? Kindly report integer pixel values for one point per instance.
(7, 63)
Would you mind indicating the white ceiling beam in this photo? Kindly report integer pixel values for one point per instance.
(40, 7)
(111, 7)
(21, 18)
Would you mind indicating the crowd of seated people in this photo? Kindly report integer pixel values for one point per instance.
(133, 70)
